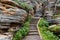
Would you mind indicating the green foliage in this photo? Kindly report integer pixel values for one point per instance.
(24, 5)
(29, 18)
(45, 33)
(22, 32)
(43, 22)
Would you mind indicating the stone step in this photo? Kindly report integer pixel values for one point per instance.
(33, 33)
(33, 27)
(33, 30)
(32, 24)
(9, 19)
(34, 20)
(32, 37)
(36, 17)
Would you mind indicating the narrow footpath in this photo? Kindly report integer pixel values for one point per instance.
(33, 34)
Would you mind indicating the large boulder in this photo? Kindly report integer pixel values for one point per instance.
(13, 18)
(6, 37)
(55, 29)
(16, 15)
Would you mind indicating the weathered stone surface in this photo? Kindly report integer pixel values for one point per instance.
(19, 16)
(49, 15)
(9, 15)
(54, 21)
(9, 19)
(58, 20)
(13, 29)
(5, 37)
(38, 12)
(10, 2)
(4, 27)
(6, 24)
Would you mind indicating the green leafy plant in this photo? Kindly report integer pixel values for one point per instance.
(45, 33)
(29, 18)
(43, 22)
(23, 31)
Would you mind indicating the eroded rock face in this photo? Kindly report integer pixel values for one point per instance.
(58, 20)
(38, 12)
(11, 15)
(19, 15)
(5, 37)
(11, 18)
(54, 21)
(49, 15)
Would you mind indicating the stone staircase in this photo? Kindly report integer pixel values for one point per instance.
(33, 34)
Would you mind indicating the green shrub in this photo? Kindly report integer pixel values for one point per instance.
(43, 22)
(22, 32)
(45, 33)
(29, 18)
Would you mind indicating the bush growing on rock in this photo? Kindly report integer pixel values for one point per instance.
(55, 29)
